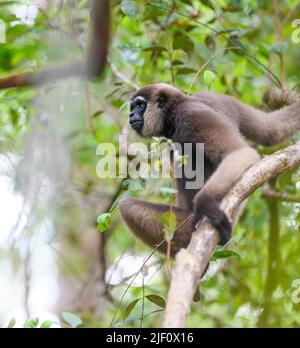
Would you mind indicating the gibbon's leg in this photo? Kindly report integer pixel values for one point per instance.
(140, 218)
(207, 200)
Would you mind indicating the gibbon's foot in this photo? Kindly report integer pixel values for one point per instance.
(217, 218)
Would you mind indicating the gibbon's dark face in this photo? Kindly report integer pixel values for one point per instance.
(150, 109)
(137, 109)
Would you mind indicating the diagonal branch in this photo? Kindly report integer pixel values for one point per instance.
(95, 61)
(191, 262)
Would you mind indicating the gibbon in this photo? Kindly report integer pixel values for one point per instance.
(220, 122)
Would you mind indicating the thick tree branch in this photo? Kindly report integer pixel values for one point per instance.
(96, 57)
(190, 263)
(97, 54)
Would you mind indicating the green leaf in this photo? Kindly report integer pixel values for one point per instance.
(185, 70)
(31, 323)
(168, 219)
(11, 323)
(184, 43)
(209, 77)
(154, 48)
(209, 4)
(159, 301)
(188, 2)
(46, 324)
(132, 185)
(224, 254)
(103, 221)
(240, 49)
(129, 308)
(177, 62)
(232, 8)
(14, 115)
(210, 42)
(97, 113)
(72, 319)
(279, 48)
(129, 8)
(171, 216)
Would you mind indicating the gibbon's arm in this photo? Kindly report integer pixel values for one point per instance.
(271, 128)
(265, 128)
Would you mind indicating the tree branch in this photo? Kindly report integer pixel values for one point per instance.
(191, 262)
(96, 58)
(281, 196)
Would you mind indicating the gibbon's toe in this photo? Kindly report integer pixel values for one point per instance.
(224, 228)
(196, 217)
(218, 219)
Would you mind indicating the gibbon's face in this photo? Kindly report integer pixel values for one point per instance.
(148, 109)
(138, 107)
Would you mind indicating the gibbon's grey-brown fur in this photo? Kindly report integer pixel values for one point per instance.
(220, 122)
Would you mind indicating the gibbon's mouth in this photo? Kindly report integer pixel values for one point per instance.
(137, 125)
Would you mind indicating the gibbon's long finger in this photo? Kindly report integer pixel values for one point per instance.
(224, 228)
(140, 216)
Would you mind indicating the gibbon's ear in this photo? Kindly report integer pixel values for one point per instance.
(161, 100)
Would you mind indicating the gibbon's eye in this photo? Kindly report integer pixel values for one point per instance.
(141, 106)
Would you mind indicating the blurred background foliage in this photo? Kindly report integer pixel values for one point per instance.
(57, 268)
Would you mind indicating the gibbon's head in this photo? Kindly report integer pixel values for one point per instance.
(151, 109)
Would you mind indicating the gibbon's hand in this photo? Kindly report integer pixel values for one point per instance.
(216, 217)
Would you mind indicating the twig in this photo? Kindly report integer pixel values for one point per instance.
(121, 76)
(147, 258)
(281, 196)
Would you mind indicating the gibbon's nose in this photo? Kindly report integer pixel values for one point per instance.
(135, 117)
(136, 121)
